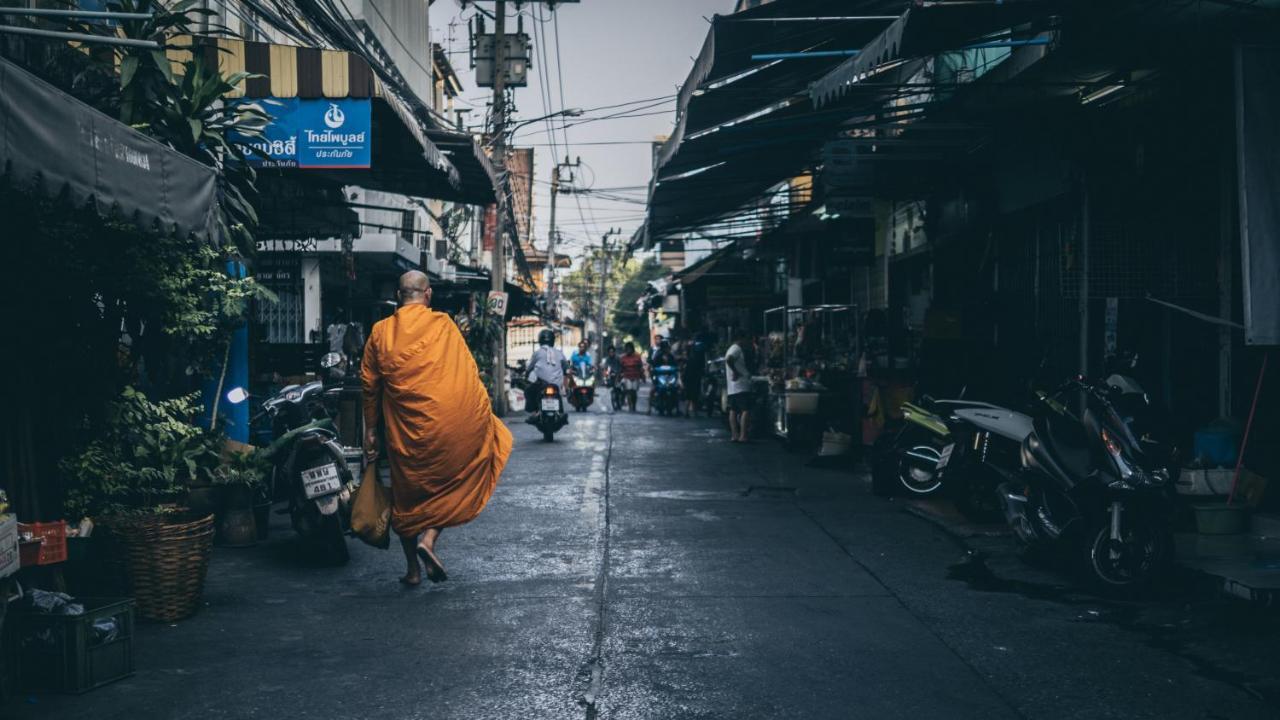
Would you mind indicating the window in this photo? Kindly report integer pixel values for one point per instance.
(408, 226)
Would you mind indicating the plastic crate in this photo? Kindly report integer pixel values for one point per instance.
(65, 654)
(52, 550)
(10, 559)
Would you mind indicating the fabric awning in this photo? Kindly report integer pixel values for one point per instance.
(745, 124)
(477, 178)
(928, 28)
(51, 140)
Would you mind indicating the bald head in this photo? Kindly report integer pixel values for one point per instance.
(415, 288)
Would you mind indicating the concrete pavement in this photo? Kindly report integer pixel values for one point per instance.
(642, 567)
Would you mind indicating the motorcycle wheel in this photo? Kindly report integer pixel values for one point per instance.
(548, 435)
(1128, 566)
(917, 470)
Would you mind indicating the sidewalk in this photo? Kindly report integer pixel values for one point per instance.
(1246, 566)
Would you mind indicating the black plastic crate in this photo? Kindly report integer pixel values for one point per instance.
(68, 654)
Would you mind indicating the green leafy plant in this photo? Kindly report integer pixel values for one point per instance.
(141, 459)
(247, 469)
(482, 331)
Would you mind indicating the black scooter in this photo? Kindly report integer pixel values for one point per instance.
(545, 402)
(309, 466)
(1091, 492)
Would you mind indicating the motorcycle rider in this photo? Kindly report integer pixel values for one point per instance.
(581, 357)
(546, 367)
(662, 355)
(612, 365)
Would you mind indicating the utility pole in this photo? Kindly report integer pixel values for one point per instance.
(551, 234)
(601, 306)
(551, 242)
(498, 271)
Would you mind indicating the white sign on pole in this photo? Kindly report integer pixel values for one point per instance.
(497, 302)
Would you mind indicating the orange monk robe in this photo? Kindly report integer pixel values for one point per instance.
(445, 447)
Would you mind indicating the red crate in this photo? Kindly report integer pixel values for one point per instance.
(52, 550)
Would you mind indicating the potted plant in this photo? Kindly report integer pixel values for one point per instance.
(131, 480)
(240, 479)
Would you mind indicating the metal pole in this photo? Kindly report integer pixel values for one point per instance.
(498, 273)
(551, 242)
(1084, 278)
(80, 37)
(604, 279)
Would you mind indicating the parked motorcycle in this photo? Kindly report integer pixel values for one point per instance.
(711, 395)
(582, 387)
(951, 444)
(309, 466)
(1090, 492)
(665, 396)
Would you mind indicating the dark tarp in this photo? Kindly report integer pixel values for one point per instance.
(1258, 148)
(50, 138)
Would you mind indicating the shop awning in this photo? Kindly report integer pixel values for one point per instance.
(744, 121)
(927, 28)
(475, 171)
(53, 142)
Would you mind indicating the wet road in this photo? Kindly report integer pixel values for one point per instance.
(642, 567)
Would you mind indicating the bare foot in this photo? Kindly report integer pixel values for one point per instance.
(435, 569)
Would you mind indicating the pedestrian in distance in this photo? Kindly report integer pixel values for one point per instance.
(445, 447)
(693, 369)
(737, 373)
(632, 367)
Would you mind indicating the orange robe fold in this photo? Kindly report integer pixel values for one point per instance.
(445, 446)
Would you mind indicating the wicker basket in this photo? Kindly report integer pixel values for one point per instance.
(167, 558)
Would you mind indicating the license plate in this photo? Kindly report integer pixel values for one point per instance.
(324, 480)
(551, 405)
(945, 457)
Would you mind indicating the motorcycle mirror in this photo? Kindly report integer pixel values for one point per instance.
(330, 360)
(237, 395)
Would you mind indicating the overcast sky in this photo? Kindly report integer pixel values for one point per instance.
(611, 52)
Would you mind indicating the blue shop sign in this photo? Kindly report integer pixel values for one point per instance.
(319, 133)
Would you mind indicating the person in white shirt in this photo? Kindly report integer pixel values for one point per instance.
(545, 367)
(737, 375)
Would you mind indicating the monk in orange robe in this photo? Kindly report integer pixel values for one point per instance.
(445, 447)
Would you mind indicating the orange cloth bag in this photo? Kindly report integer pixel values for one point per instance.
(371, 510)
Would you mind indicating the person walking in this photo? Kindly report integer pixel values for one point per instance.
(632, 366)
(693, 369)
(444, 444)
(737, 373)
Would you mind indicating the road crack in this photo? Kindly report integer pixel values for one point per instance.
(594, 668)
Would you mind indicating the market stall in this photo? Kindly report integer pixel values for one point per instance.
(811, 356)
